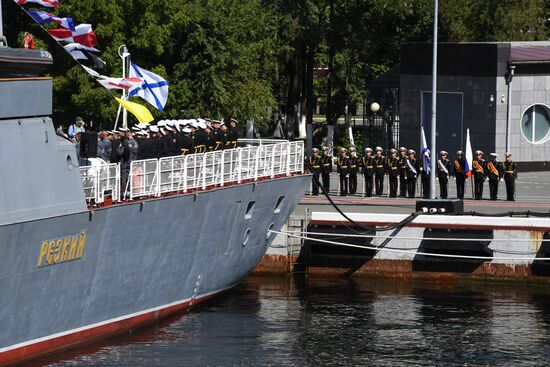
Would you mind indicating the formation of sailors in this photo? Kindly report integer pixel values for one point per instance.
(403, 169)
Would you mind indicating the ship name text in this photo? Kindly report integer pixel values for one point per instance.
(62, 250)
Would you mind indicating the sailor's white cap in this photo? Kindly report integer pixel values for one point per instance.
(352, 149)
(379, 149)
(123, 129)
(478, 152)
(141, 125)
(315, 150)
(154, 128)
(135, 128)
(443, 153)
(402, 149)
(459, 152)
(343, 149)
(161, 123)
(494, 155)
(411, 151)
(186, 130)
(508, 154)
(368, 149)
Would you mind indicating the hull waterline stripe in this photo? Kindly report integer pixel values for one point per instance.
(106, 322)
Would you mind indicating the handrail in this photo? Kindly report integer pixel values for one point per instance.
(179, 174)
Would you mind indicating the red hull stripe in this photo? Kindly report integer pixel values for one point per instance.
(69, 339)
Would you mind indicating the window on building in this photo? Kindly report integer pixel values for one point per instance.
(535, 123)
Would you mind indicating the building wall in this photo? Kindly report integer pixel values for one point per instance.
(478, 115)
(527, 89)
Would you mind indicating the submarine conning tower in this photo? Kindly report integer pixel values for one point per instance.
(39, 173)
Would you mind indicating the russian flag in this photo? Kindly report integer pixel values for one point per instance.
(82, 34)
(469, 155)
(45, 3)
(42, 17)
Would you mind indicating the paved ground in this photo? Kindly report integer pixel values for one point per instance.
(532, 193)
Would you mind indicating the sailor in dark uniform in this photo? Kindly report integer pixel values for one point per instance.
(494, 174)
(104, 147)
(200, 137)
(412, 168)
(127, 151)
(367, 163)
(232, 134)
(170, 142)
(155, 142)
(393, 172)
(144, 144)
(443, 172)
(217, 135)
(343, 171)
(425, 173)
(459, 170)
(354, 163)
(510, 175)
(479, 174)
(402, 172)
(186, 146)
(326, 168)
(379, 170)
(315, 162)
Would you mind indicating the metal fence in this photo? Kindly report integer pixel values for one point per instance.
(154, 177)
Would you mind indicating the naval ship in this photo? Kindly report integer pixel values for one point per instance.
(83, 258)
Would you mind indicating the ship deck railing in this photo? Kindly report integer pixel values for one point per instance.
(257, 160)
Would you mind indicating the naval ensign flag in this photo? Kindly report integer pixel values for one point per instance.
(154, 88)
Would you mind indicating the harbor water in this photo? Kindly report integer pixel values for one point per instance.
(279, 321)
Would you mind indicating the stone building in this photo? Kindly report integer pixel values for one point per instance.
(500, 91)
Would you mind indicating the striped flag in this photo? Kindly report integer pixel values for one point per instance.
(42, 17)
(82, 34)
(469, 155)
(114, 83)
(80, 52)
(45, 3)
(425, 154)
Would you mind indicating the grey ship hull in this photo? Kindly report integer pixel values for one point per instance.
(140, 261)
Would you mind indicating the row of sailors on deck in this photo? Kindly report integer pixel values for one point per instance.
(166, 138)
(403, 169)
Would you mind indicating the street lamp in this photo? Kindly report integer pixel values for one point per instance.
(374, 107)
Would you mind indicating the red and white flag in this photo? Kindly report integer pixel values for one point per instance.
(114, 83)
(45, 3)
(83, 34)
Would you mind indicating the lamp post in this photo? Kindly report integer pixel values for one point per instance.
(374, 107)
(434, 105)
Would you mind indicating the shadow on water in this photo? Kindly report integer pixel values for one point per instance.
(466, 247)
(542, 268)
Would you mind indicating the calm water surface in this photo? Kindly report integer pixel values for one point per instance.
(367, 322)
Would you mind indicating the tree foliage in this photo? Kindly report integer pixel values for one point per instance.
(248, 58)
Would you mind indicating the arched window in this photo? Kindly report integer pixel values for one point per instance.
(535, 124)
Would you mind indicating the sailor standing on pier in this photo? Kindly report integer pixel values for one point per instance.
(459, 170)
(315, 166)
(479, 175)
(379, 170)
(343, 171)
(443, 171)
(326, 169)
(510, 175)
(494, 173)
(412, 169)
(367, 162)
(393, 172)
(402, 172)
(354, 163)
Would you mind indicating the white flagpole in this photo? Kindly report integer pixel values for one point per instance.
(1, 23)
(434, 103)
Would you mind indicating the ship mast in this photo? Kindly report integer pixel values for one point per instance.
(125, 56)
(3, 42)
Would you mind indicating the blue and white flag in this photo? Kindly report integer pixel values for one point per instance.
(425, 154)
(154, 88)
(43, 17)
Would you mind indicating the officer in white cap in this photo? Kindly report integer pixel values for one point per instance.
(494, 174)
(367, 163)
(314, 165)
(479, 172)
(343, 171)
(459, 171)
(393, 172)
(326, 168)
(510, 175)
(443, 172)
(380, 167)
(354, 163)
(402, 172)
(412, 170)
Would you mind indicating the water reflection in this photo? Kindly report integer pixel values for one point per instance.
(324, 322)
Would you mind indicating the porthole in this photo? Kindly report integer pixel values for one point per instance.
(246, 237)
(535, 124)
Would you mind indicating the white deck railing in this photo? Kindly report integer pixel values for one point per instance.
(154, 177)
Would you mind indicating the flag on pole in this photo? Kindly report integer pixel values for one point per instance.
(114, 83)
(140, 112)
(43, 17)
(80, 52)
(83, 34)
(469, 155)
(154, 88)
(425, 154)
(45, 3)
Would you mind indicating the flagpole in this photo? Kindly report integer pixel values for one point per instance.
(434, 103)
(1, 23)
(124, 55)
